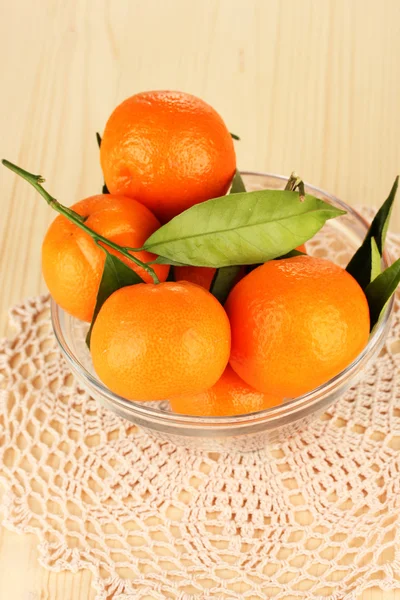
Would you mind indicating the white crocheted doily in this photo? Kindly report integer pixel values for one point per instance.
(315, 517)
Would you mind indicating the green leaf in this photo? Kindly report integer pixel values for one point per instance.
(224, 277)
(104, 189)
(235, 137)
(360, 266)
(237, 184)
(223, 281)
(375, 260)
(239, 229)
(116, 275)
(379, 291)
(379, 225)
(162, 260)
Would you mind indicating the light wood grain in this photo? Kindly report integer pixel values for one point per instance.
(311, 85)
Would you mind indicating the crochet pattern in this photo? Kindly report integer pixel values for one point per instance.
(316, 516)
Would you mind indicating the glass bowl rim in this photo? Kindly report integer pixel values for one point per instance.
(268, 415)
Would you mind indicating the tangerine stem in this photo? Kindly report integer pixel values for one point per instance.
(295, 182)
(78, 220)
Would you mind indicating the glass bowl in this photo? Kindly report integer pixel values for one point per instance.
(337, 241)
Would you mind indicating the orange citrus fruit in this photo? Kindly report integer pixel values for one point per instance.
(168, 150)
(151, 342)
(204, 275)
(295, 324)
(72, 262)
(201, 275)
(229, 396)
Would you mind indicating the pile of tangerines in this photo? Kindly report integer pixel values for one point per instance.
(286, 327)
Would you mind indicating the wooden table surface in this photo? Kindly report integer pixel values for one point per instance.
(311, 85)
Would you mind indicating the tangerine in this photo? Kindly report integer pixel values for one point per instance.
(151, 342)
(229, 396)
(295, 324)
(201, 275)
(72, 262)
(204, 275)
(168, 150)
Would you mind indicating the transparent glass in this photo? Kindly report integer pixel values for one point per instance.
(245, 432)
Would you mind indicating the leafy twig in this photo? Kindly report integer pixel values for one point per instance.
(78, 220)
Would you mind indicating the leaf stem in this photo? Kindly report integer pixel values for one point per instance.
(78, 220)
(295, 182)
